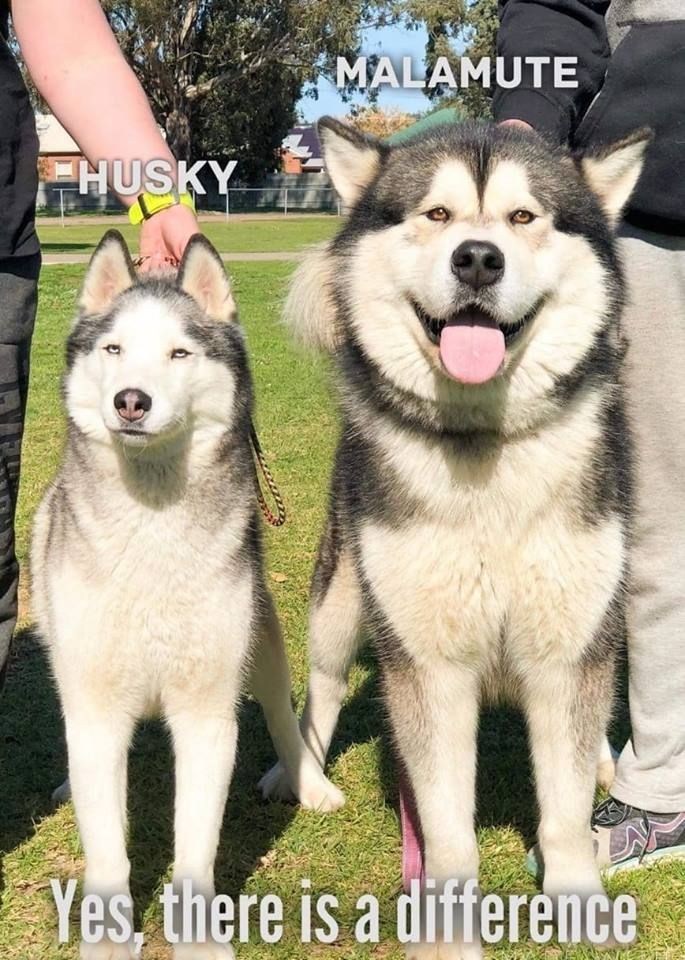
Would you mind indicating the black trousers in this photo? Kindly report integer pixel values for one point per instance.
(18, 301)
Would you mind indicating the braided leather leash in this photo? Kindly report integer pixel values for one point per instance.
(274, 519)
(169, 261)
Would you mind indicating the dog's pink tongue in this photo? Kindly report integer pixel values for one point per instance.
(472, 347)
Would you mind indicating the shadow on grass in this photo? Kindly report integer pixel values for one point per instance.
(32, 752)
(505, 790)
(33, 762)
(250, 827)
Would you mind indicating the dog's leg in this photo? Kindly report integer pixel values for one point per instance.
(204, 744)
(334, 637)
(567, 708)
(434, 716)
(304, 777)
(98, 742)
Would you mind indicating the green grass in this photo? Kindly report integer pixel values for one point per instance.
(238, 236)
(265, 847)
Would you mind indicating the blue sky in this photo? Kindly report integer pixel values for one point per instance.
(394, 42)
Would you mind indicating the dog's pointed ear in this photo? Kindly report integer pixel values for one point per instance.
(203, 276)
(613, 171)
(109, 273)
(352, 159)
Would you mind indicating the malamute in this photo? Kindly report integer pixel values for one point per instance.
(148, 584)
(480, 496)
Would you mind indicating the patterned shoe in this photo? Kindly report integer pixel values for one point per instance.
(625, 838)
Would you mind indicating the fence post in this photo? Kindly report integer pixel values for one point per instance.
(61, 205)
(285, 205)
(228, 208)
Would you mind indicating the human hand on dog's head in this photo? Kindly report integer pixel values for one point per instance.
(164, 237)
(517, 123)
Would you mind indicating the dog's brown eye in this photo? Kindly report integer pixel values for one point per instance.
(522, 216)
(438, 215)
(113, 348)
(179, 354)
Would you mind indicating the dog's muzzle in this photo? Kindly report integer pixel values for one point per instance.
(472, 343)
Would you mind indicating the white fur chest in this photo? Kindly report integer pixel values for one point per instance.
(154, 596)
(498, 550)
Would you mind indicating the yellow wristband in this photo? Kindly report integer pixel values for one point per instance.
(148, 204)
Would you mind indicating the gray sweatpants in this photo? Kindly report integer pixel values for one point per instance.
(651, 768)
(18, 298)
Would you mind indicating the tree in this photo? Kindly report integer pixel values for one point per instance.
(378, 122)
(480, 36)
(471, 24)
(198, 60)
(234, 124)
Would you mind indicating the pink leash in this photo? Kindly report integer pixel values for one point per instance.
(412, 842)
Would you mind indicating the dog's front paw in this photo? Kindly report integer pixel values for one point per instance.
(313, 789)
(203, 951)
(274, 785)
(316, 792)
(107, 950)
(444, 951)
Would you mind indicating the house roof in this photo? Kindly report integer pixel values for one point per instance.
(52, 136)
(304, 143)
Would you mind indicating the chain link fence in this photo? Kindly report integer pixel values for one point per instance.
(64, 200)
(283, 200)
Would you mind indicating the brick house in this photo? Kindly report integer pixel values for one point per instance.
(301, 151)
(59, 155)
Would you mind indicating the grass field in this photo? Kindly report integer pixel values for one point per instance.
(237, 236)
(266, 848)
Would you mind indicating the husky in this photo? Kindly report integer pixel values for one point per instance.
(480, 502)
(147, 568)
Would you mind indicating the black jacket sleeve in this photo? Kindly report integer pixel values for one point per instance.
(551, 28)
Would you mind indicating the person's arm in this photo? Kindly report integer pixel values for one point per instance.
(77, 66)
(551, 28)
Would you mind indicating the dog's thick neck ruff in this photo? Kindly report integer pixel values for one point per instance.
(505, 409)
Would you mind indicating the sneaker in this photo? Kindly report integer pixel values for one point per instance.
(625, 837)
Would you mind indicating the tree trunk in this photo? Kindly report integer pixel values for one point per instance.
(178, 133)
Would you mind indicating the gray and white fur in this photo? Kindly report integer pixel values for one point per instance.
(147, 568)
(479, 529)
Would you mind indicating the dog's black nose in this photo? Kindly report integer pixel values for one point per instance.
(478, 263)
(132, 405)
